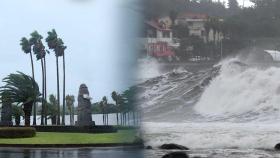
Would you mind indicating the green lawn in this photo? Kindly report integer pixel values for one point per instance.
(122, 136)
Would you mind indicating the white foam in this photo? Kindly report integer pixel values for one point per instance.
(238, 90)
(213, 135)
(148, 68)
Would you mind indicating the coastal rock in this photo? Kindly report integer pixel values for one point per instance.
(277, 147)
(176, 155)
(173, 146)
(149, 147)
(84, 107)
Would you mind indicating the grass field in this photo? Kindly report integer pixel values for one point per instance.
(122, 136)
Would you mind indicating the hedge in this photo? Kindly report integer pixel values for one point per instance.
(17, 132)
(76, 129)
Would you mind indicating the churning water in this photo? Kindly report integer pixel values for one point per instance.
(231, 109)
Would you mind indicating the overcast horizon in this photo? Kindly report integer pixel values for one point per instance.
(99, 50)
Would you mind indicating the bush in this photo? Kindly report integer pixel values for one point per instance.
(17, 132)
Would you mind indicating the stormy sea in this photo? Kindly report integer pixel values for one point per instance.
(226, 109)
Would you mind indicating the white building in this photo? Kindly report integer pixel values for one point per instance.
(195, 23)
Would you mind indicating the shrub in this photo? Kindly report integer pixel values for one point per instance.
(17, 132)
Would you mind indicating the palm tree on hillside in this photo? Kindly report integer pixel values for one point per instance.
(26, 48)
(21, 89)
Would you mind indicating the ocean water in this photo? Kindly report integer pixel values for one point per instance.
(231, 109)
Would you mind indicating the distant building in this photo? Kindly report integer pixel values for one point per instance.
(158, 39)
(196, 25)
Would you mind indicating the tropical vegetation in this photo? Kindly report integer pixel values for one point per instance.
(22, 90)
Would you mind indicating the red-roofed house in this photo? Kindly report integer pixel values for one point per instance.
(158, 40)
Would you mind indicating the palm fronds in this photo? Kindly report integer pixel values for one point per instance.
(20, 88)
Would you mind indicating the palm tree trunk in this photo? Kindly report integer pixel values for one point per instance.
(43, 91)
(27, 108)
(117, 118)
(133, 113)
(46, 110)
(58, 97)
(72, 114)
(63, 112)
(33, 76)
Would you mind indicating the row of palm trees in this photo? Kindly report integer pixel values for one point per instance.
(124, 105)
(34, 45)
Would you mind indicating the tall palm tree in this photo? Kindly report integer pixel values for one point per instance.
(21, 89)
(57, 45)
(26, 48)
(70, 99)
(59, 51)
(40, 52)
(114, 96)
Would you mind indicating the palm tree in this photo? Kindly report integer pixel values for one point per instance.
(52, 109)
(101, 105)
(115, 98)
(26, 47)
(17, 113)
(21, 89)
(40, 52)
(70, 99)
(105, 104)
(57, 45)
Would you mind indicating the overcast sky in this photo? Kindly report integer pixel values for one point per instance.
(98, 35)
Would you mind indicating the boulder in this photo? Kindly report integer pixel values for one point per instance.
(148, 147)
(177, 154)
(173, 147)
(277, 147)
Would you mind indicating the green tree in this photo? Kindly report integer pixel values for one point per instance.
(17, 113)
(70, 99)
(173, 16)
(21, 89)
(114, 96)
(52, 109)
(105, 106)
